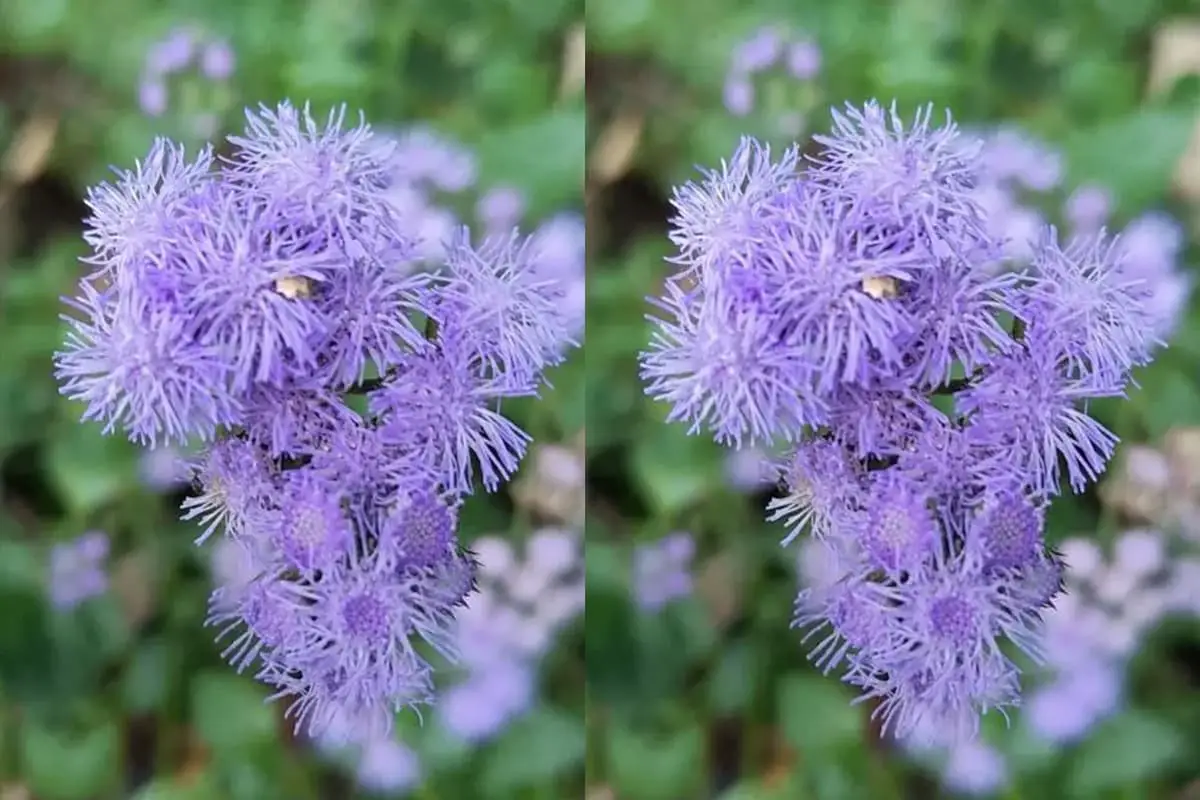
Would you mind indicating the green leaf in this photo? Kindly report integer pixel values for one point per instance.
(229, 713)
(26, 647)
(1125, 751)
(146, 683)
(87, 468)
(653, 768)
(816, 715)
(1149, 142)
(538, 748)
(61, 767)
(166, 789)
(731, 686)
(675, 469)
(544, 156)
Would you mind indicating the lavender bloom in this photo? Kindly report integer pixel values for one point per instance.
(558, 247)
(758, 52)
(77, 570)
(507, 627)
(500, 209)
(173, 53)
(163, 469)
(739, 95)
(975, 769)
(823, 308)
(152, 97)
(804, 60)
(236, 305)
(217, 60)
(662, 571)
(385, 765)
(176, 53)
(1088, 207)
(749, 470)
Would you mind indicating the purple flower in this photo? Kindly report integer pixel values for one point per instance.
(500, 209)
(217, 60)
(441, 405)
(506, 628)
(739, 95)
(173, 53)
(804, 60)
(483, 704)
(164, 468)
(1088, 207)
(827, 309)
(662, 571)
(749, 470)
(385, 765)
(505, 309)
(915, 176)
(77, 570)
(1083, 296)
(758, 52)
(152, 97)
(237, 307)
(976, 769)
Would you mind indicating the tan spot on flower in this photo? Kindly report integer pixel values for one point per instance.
(294, 287)
(881, 288)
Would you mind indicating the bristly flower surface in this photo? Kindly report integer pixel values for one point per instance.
(237, 304)
(827, 305)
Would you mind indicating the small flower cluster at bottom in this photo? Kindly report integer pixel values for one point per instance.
(932, 395)
(241, 302)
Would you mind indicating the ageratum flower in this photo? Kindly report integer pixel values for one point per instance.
(239, 305)
(826, 309)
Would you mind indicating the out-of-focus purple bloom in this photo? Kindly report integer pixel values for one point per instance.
(662, 571)
(152, 97)
(178, 51)
(217, 60)
(164, 469)
(506, 628)
(739, 95)
(173, 53)
(750, 469)
(758, 52)
(1088, 207)
(479, 707)
(500, 209)
(1011, 156)
(423, 156)
(385, 765)
(78, 570)
(974, 768)
(558, 253)
(804, 60)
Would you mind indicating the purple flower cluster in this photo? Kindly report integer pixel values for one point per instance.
(662, 571)
(240, 303)
(1110, 604)
(933, 404)
(181, 51)
(1018, 176)
(430, 174)
(767, 49)
(78, 570)
(507, 628)
(380, 763)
